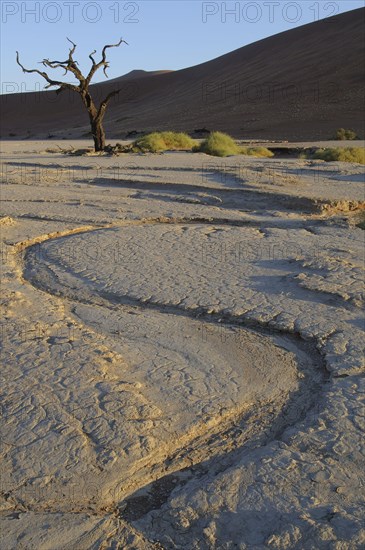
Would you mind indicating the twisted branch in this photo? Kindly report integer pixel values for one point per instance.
(91, 57)
(104, 103)
(68, 66)
(103, 63)
(50, 81)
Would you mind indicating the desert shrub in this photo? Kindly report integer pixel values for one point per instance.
(343, 134)
(218, 145)
(345, 154)
(256, 152)
(157, 142)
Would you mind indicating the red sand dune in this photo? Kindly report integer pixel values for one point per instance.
(302, 84)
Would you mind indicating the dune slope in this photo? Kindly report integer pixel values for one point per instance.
(302, 84)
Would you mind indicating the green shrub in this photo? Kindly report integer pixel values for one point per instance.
(157, 142)
(343, 134)
(345, 154)
(218, 145)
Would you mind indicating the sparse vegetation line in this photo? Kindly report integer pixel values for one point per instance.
(342, 135)
(340, 154)
(216, 144)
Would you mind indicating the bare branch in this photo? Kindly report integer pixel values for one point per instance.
(103, 63)
(72, 65)
(55, 65)
(48, 62)
(68, 66)
(47, 78)
(72, 50)
(105, 68)
(111, 46)
(104, 103)
(91, 57)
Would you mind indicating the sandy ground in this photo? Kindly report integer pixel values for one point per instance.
(182, 362)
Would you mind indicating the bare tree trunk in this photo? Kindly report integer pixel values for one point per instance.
(98, 133)
(96, 122)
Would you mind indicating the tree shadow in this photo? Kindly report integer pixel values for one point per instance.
(53, 165)
(231, 197)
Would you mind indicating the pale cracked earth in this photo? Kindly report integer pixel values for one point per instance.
(182, 362)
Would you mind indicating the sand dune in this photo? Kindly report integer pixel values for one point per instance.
(266, 90)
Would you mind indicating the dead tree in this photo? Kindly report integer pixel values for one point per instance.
(96, 114)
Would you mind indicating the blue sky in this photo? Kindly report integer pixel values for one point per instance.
(166, 34)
